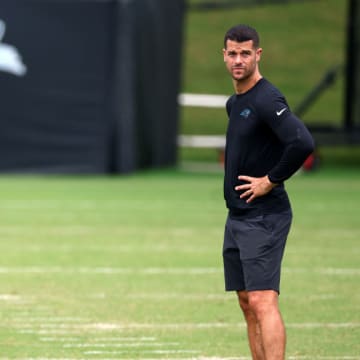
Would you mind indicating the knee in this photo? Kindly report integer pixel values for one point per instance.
(244, 302)
(262, 302)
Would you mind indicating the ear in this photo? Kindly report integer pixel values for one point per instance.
(258, 54)
(224, 54)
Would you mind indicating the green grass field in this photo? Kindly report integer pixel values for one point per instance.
(130, 267)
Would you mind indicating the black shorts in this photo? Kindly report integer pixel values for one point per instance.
(253, 250)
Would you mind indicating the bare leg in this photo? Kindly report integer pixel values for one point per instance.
(253, 328)
(264, 304)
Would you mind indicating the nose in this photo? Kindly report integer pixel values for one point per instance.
(238, 59)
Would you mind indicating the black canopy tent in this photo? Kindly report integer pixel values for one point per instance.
(86, 86)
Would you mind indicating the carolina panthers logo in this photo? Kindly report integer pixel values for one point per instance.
(245, 113)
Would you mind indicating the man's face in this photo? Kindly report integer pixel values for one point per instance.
(241, 59)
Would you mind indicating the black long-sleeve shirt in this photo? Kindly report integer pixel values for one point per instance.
(263, 138)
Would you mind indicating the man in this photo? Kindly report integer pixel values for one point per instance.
(265, 144)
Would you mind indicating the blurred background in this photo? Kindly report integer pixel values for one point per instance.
(310, 52)
(116, 86)
(129, 266)
(85, 87)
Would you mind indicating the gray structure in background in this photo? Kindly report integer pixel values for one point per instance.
(89, 86)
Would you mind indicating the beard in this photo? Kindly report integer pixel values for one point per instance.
(242, 73)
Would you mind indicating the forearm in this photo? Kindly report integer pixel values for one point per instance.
(292, 159)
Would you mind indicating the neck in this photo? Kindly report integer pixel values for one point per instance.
(244, 85)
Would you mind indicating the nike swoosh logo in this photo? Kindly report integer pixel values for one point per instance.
(278, 113)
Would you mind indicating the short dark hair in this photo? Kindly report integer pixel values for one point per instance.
(240, 33)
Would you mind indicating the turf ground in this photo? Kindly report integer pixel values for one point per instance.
(130, 268)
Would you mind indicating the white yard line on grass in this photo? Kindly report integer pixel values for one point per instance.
(10, 298)
(113, 326)
(118, 339)
(160, 271)
(50, 319)
(289, 358)
(15, 299)
(73, 324)
(206, 297)
(57, 328)
(152, 352)
(120, 345)
(66, 329)
(109, 270)
(222, 296)
(312, 357)
(181, 296)
(47, 332)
